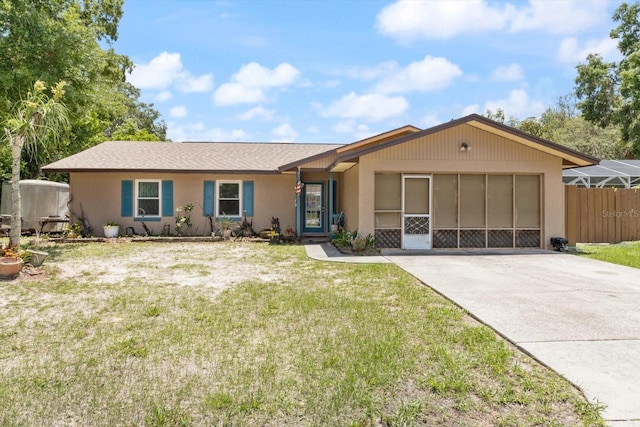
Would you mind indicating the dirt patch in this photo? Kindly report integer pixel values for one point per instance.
(211, 265)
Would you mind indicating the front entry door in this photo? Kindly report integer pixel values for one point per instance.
(313, 207)
(416, 212)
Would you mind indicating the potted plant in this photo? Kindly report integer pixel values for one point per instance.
(10, 263)
(71, 231)
(111, 229)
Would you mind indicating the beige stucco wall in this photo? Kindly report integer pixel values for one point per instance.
(99, 194)
(440, 153)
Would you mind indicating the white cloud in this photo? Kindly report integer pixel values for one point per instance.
(163, 96)
(178, 112)
(255, 75)
(248, 85)
(518, 104)
(357, 131)
(410, 20)
(349, 126)
(236, 93)
(257, 113)
(407, 19)
(197, 131)
(507, 73)
(432, 73)
(368, 107)
(558, 17)
(166, 70)
(204, 83)
(313, 129)
(378, 71)
(159, 73)
(569, 51)
(284, 133)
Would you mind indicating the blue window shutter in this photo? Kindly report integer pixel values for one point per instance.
(208, 199)
(126, 199)
(247, 197)
(167, 198)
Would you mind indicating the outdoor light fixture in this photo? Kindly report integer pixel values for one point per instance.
(465, 147)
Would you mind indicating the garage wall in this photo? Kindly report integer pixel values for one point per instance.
(350, 196)
(489, 153)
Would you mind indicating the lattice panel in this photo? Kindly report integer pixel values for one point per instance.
(445, 238)
(386, 238)
(527, 238)
(472, 239)
(416, 225)
(500, 238)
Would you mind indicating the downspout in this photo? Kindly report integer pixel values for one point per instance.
(330, 216)
(298, 207)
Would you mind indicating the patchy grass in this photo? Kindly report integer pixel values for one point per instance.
(626, 253)
(268, 337)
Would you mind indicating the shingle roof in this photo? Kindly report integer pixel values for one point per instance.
(236, 157)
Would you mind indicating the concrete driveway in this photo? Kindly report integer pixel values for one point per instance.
(578, 316)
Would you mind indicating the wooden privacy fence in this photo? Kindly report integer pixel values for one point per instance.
(601, 215)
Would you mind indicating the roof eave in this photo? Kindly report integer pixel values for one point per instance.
(189, 171)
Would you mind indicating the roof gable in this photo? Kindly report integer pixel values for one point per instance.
(570, 157)
(363, 143)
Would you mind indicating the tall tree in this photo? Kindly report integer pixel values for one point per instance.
(563, 124)
(35, 119)
(71, 40)
(609, 92)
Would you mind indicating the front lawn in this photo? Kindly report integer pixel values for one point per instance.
(252, 334)
(625, 253)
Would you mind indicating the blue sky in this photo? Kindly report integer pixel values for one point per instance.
(339, 71)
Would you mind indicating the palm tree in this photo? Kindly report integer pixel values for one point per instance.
(35, 119)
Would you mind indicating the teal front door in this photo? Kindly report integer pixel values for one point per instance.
(313, 207)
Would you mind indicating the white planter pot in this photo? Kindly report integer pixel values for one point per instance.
(37, 257)
(111, 231)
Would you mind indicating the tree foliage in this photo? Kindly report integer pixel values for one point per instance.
(34, 119)
(609, 92)
(72, 40)
(563, 124)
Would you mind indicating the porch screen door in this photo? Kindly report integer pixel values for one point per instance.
(416, 212)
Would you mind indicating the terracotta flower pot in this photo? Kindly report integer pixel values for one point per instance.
(10, 266)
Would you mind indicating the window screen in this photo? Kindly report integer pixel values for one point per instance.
(472, 201)
(500, 201)
(228, 199)
(527, 196)
(388, 191)
(445, 201)
(148, 200)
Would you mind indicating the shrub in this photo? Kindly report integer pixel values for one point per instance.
(351, 241)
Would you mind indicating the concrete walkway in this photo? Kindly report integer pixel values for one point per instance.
(578, 316)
